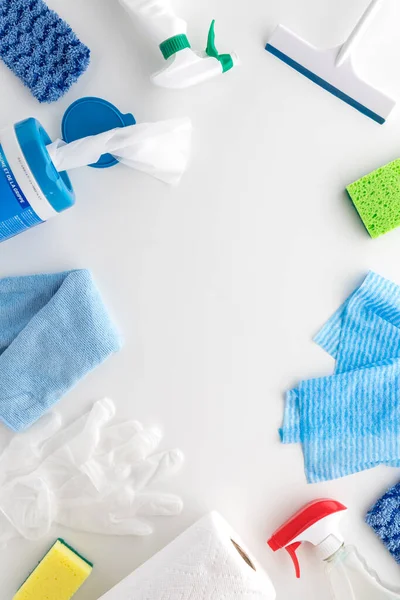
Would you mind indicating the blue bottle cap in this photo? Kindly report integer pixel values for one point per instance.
(90, 116)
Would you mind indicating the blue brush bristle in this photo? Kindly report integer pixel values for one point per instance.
(40, 48)
(384, 518)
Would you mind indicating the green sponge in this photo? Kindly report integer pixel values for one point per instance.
(377, 199)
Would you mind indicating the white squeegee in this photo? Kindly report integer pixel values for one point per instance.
(332, 69)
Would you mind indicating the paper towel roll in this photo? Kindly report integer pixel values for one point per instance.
(207, 562)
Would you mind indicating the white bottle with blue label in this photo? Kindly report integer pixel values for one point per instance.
(32, 191)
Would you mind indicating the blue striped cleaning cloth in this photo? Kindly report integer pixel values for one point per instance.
(376, 293)
(348, 422)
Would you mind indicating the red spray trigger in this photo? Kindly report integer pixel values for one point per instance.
(316, 523)
(292, 552)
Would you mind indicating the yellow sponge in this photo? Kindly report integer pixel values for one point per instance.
(57, 577)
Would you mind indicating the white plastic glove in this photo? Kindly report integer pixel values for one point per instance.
(7, 532)
(23, 454)
(25, 450)
(83, 438)
(116, 494)
(29, 502)
(97, 481)
(132, 458)
(121, 511)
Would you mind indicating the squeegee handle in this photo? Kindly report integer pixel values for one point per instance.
(358, 32)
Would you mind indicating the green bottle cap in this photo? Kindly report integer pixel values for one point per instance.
(173, 45)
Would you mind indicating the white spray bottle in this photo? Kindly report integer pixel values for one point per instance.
(185, 67)
(318, 524)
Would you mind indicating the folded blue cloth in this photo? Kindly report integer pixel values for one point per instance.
(384, 518)
(348, 422)
(53, 330)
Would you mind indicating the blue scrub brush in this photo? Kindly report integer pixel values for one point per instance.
(384, 518)
(40, 48)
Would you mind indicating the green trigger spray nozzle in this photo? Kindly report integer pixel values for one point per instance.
(186, 66)
(226, 60)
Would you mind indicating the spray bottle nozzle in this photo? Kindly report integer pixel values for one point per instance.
(316, 523)
(226, 60)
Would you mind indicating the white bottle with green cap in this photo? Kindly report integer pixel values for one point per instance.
(185, 66)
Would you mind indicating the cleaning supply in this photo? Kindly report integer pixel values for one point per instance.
(34, 189)
(31, 189)
(29, 502)
(159, 149)
(58, 576)
(40, 48)
(332, 69)
(347, 422)
(185, 67)
(15, 459)
(22, 455)
(208, 560)
(375, 294)
(349, 576)
(94, 475)
(384, 518)
(54, 329)
(376, 198)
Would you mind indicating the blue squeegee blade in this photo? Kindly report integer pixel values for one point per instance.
(325, 85)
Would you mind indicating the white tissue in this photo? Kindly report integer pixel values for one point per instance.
(159, 149)
(208, 561)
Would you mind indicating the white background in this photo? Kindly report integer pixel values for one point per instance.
(219, 285)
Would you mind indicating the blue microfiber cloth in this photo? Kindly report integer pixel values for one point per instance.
(54, 329)
(40, 48)
(384, 518)
(348, 422)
